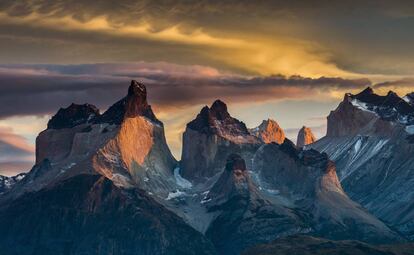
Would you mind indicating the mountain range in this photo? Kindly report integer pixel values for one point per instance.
(108, 183)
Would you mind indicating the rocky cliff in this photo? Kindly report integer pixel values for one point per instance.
(369, 138)
(369, 113)
(210, 138)
(333, 215)
(125, 144)
(305, 137)
(269, 131)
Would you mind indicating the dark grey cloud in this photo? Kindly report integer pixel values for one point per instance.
(401, 83)
(42, 89)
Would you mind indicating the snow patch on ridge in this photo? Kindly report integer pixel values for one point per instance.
(361, 105)
(182, 182)
(357, 146)
(409, 129)
(175, 194)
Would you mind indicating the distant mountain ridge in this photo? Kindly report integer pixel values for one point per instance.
(370, 139)
(7, 182)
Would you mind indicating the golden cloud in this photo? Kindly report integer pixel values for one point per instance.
(258, 55)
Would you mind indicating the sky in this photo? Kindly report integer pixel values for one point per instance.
(291, 61)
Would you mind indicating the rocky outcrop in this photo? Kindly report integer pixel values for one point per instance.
(305, 137)
(234, 181)
(210, 138)
(88, 214)
(72, 116)
(133, 105)
(269, 131)
(369, 139)
(126, 144)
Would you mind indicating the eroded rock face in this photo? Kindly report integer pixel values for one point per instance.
(210, 138)
(305, 137)
(269, 131)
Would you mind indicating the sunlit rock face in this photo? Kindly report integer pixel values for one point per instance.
(126, 144)
(210, 138)
(305, 137)
(269, 131)
(369, 137)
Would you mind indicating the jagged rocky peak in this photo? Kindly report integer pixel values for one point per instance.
(305, 137)
(389, 107)
(367, 113)
(269, 131)
(217, 120)
(73, 115)
(210, 138)
(409, 98)
(134, 104)
(219, 110)
(126, 144)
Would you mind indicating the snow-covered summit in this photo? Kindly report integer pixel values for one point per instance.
(390, 107)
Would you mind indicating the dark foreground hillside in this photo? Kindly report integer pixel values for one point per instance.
(307, 245)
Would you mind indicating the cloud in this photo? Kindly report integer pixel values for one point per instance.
(261, 37)
(165, 31)
(42, 89)
(16, 154)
